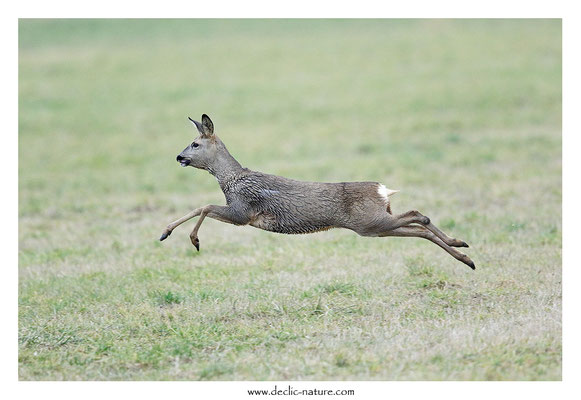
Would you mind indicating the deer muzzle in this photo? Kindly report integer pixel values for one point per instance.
(183, 161)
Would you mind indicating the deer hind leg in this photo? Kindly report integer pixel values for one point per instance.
(423, 232)
(407, 218)
(445, 238)
(415, 217)
(373, 222)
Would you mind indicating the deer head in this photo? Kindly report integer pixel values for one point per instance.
(202, 152)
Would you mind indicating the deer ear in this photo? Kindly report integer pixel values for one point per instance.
(198, 125)
(207, 125)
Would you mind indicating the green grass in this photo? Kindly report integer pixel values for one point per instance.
(463, 116)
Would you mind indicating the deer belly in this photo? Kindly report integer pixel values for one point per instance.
(270, 222)
(264, 221)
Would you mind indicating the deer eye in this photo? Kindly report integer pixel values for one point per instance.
(194, 144)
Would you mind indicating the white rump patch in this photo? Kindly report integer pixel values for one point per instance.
(385, 192)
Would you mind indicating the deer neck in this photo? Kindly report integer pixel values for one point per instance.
(225, 168)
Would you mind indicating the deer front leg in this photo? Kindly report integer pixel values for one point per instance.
(228, 214)
(180, 221)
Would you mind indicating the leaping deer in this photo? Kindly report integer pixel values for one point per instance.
(284, 205)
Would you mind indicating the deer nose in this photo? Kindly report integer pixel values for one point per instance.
(179, 157)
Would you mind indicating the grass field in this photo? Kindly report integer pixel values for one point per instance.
(464, 117)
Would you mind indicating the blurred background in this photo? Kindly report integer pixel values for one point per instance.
(462, 116)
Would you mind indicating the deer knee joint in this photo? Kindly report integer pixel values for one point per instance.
(422, 219)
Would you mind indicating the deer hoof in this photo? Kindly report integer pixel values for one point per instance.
(196, 243)
(164, 235)
(425, 220)
(469, 262)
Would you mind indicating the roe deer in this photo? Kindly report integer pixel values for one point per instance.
(283, 205)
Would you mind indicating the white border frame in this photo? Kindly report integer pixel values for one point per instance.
(299, 9)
